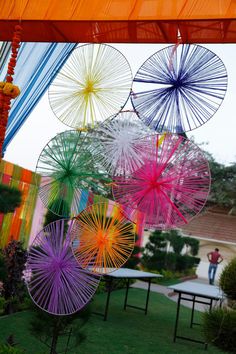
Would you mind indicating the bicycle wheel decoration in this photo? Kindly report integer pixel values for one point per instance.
(55, 281)
(170, 187)
(67, 168)
(94, 84)
(179, 88)
(119, 150)
(104, 239)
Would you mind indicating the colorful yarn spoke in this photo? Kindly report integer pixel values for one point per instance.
(179, 88)
(56, 282)
(119, 150)
(93, 85)
(170, 187)
(67, 167)
(104, 239)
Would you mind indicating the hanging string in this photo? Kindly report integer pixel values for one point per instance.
(8, 90)
(173, 53)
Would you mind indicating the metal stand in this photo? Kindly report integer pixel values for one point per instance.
(109, 282)
(137, 307)
(194, 301)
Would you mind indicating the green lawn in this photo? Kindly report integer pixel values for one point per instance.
(124, 332)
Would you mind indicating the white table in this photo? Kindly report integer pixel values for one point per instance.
(197, 293)
(126, 273)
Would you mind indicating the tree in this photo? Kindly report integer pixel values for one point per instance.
(157, 241)
(193, 243)
(153, 255)
(223, 188)
(10, 199)
(15, 257)
(223, 184)
(48, 328)
(176, 240)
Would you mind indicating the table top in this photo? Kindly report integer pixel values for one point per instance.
(131, 273)
(198, 289)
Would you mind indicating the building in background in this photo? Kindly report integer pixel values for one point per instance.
(213, 228)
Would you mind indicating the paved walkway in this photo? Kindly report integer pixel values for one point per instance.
(169, 293)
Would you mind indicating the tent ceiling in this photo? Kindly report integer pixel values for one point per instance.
(120, 21)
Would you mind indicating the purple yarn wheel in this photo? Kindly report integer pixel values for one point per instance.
(55, 281)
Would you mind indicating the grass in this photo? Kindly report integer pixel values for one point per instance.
(126, 332)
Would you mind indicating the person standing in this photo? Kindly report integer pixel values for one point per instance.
(214, 258)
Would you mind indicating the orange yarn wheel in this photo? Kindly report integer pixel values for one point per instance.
(103, 238)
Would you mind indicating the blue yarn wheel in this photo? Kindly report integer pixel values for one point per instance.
(179, 88)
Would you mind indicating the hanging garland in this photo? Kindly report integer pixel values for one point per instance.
(8, 90)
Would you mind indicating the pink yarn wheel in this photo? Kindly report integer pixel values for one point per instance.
(171, 186)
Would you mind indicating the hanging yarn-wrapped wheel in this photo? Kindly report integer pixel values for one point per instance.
(94, 84)
(67, 167)
(55, 281)
(104, 239)
(170, 187)
(179, 88)
(119, 150)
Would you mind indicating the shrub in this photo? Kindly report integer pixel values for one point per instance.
(170, 261)
(10, 346)
(186, 262)
(167, 274)
(2, 305)
(134, 259)
(193, 244)
(13, 287)
(176, 240)
(228, 279)
(7, 349)
(3, 271)
(219, 328)
(155, 261)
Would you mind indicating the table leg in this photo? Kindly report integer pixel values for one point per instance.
(148, 293)
(177, 317)
(192, 314)
(126, 294)
(211, 302)
(108, 298)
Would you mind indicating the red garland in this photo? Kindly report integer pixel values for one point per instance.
(7, 89)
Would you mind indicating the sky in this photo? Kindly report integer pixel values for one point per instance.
(218, 134)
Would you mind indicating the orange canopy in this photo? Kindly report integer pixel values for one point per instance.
(120, 21)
